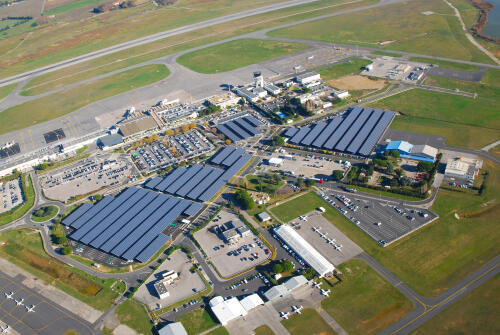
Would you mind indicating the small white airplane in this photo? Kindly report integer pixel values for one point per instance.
(9, 295)
(316, 229)
(324, 236)
(30, 309)
(6, 329)
(285, 315)
(317, 284)
(338, 247)
(303, 217)
(331, 241)
(19, 302)
(325, 292)
(297, 309)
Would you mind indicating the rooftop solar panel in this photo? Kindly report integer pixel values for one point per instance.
(290, 132)
(204, 184)
(96, 219)
(311, 136)
(91, 212)
(222, 154)
(228, 133)
(183, 179)
(233, 157)
(68, 220)
(168, 180)
(342, 128)
(141, 229)
(238, 130)
(327, 132)
(247, 126)
(299, 135)
(365, 131)
(353, 130)
(134, 223)
(233, 169)
(124, 219)
(151, 249)
(376, 133)
(153, 182)
(212, 190)
(195, 180)
(113, 216)
(152, 233)
(193, 209)
(253, 121)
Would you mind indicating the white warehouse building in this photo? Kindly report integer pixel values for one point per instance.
(306, 251)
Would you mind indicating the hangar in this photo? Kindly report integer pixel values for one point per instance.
(132, 225)
(356, 132)
(240, 128)
(424, 153)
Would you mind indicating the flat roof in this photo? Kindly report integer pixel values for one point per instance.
(137, 125)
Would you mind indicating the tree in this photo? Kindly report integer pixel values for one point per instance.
(338, 175)
(287, 266)
(300, 181)
(244, 199)
(42, 166)
(60, 239)
(405, 181)
(278, 141)
(309, 273)
(277, 268)
(424, 166)
(389, 169)
(395, 153)
(399, 172)
(67, 250)
(228, 141)
(310, 182)
(98, 197)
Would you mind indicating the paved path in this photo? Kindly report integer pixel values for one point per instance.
(491, 146)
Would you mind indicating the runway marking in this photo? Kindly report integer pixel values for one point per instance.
(429, 308)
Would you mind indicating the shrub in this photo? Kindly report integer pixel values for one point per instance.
(67, 250)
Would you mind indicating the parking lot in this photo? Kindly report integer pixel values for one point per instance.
(244, 252)
(87, 176)
(188, 283)
(11, 195)
(384, 221)
(98, 256)
(171, 150)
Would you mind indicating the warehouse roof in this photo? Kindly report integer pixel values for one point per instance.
(226, 310)
(251, 302)
(399, 145)
(175, 328)
(110, 140)
(135, 126)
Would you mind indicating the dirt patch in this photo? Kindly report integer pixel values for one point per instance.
(382, 320)
(356, 82)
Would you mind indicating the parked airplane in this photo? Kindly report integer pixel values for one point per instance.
(19, 302)
(324, 235)
(297, 309)
(285, 315)
(30, 309)
(325, 292)
(338, 247)
(316, 229)
(9, 295)
(6, 329)
(331, 241)
(317, 284)
(303, 217)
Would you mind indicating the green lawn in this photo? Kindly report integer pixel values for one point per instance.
(309, 322)
(29, 200)
(386, 53)
(134, 315)
(57, 104)
(495, 151)
(71, 5)
(384, 193)
(446, 65)
(338, 70)
(365, 303)
(236, 54)
(219, 331)
(465, 122)
(197, 321)
(48, 213)
(262, 184)
(398, 26)
(476, 313)
(491, 77)
(297, 207)
(263, 330)
(5, 90)
(439, 255)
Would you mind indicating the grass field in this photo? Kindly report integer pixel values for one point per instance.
(465, 122)
(263, 330)
(491, 77)
(385, 194)
(439, 255)
(219, 331)
(19, 211)
(262, 184)
(385, 53)
(71, 5)
(24, 248)
(495, 151)
(297, 206)
(352, 66)
(149, 51)
(236, 54)
(197, 321)
(50, 212)
(476, 313)
(446, 65)
(5, 90)
(57, 104)
(364, 303)
(399, 26)
(133, 314)
(309, 322)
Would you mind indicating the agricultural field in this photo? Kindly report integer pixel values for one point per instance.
(297, 207)
(309, 322)
(134, 315)
(476, 313)
(236, 54)
(365, 303)
(197, 321)
(352, 66)
(465, 122)
(57, 104)
(439, 255)
(153, 50)
(24, 248)
(395, 27)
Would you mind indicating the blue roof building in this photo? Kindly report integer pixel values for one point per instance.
(407, 150)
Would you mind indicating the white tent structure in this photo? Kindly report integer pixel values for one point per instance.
(226, 310)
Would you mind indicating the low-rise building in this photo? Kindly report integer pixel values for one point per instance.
(161, 289)
(272, 89)
(340, 94)
(247, 94)
(226, 310)
(424, 153)
(109, 141)
(169, 276)
(224, 100)
(243, 231)
(463, 167)
(175, 328)
(263, 217)
(308, 77)
(275, 161)
(286, 288)
(137, 126)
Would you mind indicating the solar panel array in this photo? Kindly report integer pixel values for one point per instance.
(357, 132)
(203, 182)
(240, 128)
(129, 225)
